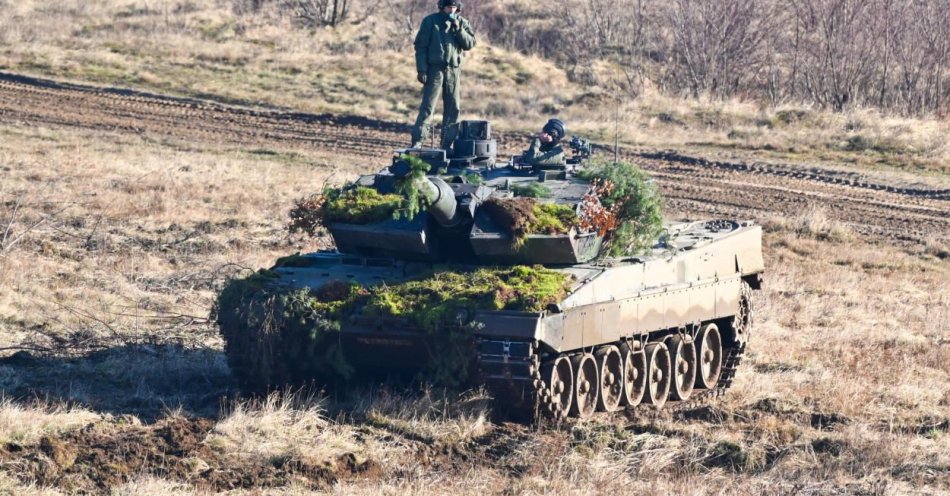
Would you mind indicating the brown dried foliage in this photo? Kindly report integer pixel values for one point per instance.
(306, 215)
(594, 216)
(515, 215)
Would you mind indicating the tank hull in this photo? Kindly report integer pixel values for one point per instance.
(698, 278)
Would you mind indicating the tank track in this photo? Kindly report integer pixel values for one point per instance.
(732, 356)
(730, 365)
(518, 394)
(511, 370)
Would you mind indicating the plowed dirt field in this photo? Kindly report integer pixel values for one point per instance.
(879, 204)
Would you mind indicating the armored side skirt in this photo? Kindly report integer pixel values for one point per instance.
(387, 346)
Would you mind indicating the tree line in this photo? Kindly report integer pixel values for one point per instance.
(890, 54)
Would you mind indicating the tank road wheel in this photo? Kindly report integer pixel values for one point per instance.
(742, 322)
(634, 376)
(683, 365)
(586, 385)
(658, 374)
(610, 366)
(709, 357)
(559, 387)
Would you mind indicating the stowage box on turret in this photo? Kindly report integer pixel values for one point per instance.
(472, 272)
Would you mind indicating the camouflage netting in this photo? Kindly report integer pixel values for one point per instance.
(275, 336)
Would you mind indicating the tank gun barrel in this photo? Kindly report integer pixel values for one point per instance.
(440, 197)
(443, 206)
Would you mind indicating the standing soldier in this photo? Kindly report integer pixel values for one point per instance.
(442, 38)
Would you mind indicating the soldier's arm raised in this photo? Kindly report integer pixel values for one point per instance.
(423, 38)
(532, 150)
(466, 36)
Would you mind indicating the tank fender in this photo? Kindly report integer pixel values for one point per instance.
(749, 259)
(508, 324)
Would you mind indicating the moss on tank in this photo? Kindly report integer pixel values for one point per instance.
(276, 335)
(359, 205)
(522, 216)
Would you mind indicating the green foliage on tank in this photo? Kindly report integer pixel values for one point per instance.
(531, 190)
(359, 205)
(635, 200)
(521, 217)
(277, 336)
(349, 205)
(551, 218)
(411, 189)
(355, 204)
(273, 335)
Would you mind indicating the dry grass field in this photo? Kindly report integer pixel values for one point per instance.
(114, 240)
(119, 241)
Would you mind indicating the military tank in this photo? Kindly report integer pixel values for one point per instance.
(549, 320)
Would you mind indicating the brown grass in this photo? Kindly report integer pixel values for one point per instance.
(191, 217)
(26, 424)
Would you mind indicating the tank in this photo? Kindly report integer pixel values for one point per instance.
(549, 323)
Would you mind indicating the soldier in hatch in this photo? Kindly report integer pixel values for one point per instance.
(442, 38)
(545, 152)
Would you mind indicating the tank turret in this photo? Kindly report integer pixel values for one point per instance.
(471, 211)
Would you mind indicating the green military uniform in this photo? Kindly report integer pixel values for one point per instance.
(439, 46)
(544, 155)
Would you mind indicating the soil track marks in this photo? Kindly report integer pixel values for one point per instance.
(883, 207)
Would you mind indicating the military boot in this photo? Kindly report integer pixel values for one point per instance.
(449, 133)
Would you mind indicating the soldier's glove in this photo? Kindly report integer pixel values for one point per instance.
(456, 25)
(422, 77)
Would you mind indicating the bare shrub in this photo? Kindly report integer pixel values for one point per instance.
(715, 46)
(405, 16)
(316, 13)
(837, 54)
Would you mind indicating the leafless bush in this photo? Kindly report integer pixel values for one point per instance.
(714, 45)
(605, 29)
(315, 13)
(242, 7)
(891, 54)
(835, 54)
(406, 15)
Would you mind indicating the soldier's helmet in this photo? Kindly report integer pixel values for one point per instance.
(450, 3)
(555, 127)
